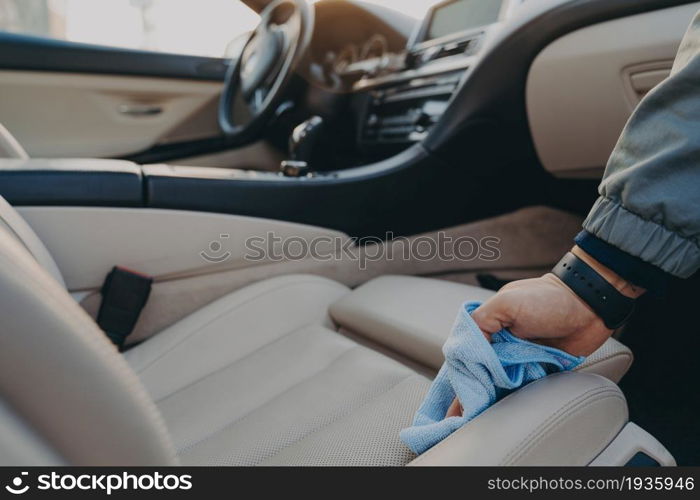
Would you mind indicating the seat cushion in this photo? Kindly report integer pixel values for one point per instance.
(262, 377)
(413, 317)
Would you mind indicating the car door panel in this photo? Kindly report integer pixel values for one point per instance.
(81, 115)
(66, 99)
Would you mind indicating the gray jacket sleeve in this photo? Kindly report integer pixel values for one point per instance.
(649, 203)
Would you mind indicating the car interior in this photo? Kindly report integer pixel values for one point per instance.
(354, 124)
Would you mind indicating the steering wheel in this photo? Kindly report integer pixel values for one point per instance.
(257, 78)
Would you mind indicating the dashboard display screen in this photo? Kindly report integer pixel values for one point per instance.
(462, 15)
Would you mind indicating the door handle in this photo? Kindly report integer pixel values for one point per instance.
(140, 110)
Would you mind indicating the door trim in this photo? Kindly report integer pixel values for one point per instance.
(35, 53)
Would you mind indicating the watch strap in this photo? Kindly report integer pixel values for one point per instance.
(606, 301)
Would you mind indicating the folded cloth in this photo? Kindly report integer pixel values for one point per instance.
(478, 374)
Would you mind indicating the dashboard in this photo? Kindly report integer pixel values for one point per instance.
(376, 47)
(351, 43)
(406, 78)
(349, 40)
(382, 80)
(500, 62)
(452, 17)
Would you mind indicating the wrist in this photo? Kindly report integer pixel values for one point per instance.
(601, 294)
(622, 285)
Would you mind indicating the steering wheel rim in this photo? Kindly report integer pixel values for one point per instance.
(257, 78)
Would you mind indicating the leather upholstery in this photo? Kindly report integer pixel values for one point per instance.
(278, 384)
(414, 316)
(20, 444)
(259, 377)
(564, 419)
(9, 146)
(18, 227)
(60, 374)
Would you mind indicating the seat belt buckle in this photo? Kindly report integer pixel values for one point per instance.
(124, 295)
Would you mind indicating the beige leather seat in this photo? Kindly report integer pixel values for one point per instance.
(259, 377)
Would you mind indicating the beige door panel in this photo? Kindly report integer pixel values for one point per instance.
(76, 115)
(200, 125)
(260, 155)
(583, 87)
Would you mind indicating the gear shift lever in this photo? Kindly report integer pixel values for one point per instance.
(301, 147)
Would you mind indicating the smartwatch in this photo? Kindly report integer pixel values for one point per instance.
(606, 301)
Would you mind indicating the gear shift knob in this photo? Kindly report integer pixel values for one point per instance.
(304, 138)
(301, 147)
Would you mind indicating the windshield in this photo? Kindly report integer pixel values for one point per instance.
(154, 25)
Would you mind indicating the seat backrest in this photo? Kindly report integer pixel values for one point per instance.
(66, 394)
(13, 222)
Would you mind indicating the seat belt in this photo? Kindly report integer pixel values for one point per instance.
(124, 295)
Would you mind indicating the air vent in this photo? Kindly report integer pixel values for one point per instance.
(457, 48)
(463, 47)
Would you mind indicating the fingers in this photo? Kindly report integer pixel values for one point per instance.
(455, 409)
(493, 315)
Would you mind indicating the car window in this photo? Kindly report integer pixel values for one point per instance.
(195, 27)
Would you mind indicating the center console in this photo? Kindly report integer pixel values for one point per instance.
(404, 104)
(404, 113)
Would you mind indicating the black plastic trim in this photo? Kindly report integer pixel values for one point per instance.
(641, 459)
(32, 53)
(407, 194)
(114, 187)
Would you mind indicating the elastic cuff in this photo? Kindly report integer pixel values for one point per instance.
(631, 268)
(640, 237)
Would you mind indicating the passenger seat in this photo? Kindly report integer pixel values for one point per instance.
(259, 377)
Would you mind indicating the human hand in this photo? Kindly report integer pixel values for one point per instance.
(546, 311)
(543, 310)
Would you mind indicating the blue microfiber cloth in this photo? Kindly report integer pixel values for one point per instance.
(479, 374)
